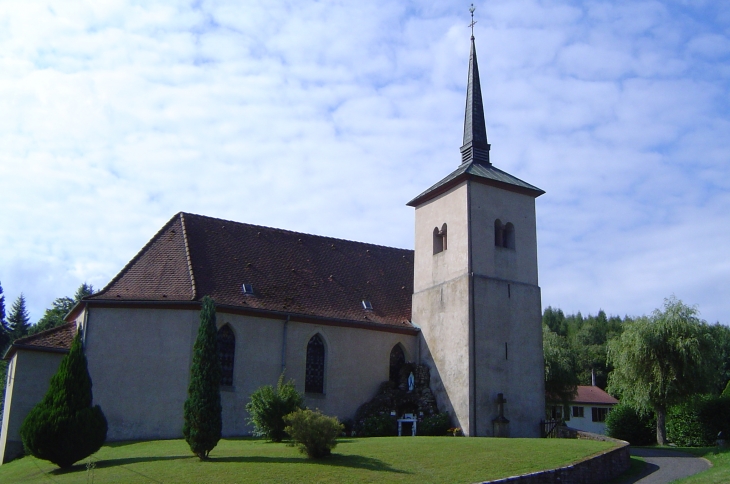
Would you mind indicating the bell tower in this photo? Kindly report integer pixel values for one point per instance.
(476, 295)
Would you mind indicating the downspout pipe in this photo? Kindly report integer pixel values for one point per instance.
(283, 344)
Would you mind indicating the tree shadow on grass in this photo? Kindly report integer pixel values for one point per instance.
(81, 466)
(335, 460)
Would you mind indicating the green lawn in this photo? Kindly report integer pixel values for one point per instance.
(390, 459)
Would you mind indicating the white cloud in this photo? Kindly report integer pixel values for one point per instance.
(326, 117)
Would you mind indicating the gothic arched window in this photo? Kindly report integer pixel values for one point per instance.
(397, 360)
(227, 350)
(314, 380)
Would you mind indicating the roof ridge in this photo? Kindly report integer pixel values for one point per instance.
(139, 254)
(187, 255)
(298, 233)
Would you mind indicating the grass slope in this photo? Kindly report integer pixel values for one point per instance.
(405, 460)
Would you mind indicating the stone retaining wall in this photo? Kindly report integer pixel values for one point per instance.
(595, 469)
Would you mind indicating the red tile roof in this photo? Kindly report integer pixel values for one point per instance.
(590, 394)
(56, 339)
(299, 274)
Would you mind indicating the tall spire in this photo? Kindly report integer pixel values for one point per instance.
(475, 148)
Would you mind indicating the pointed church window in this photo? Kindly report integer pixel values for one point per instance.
(397, 360)
(227, 350)
(314, 381)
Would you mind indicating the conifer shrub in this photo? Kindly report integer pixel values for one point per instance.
(268, 406)
(625, 423)
(696, 422)
(436, 425)
(202, 412)
(313, 433)
(64, 428)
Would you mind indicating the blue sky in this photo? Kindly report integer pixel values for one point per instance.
(326, 117)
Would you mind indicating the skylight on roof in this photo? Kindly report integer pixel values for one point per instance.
(247, 288)
(367, 305)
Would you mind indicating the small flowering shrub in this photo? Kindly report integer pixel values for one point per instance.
(314, 433)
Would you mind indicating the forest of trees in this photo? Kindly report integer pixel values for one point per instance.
(650, 363)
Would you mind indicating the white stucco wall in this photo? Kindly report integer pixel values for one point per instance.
(441, 301)
(139, 360)
(29, 376)
(502, 286)
(507, 313)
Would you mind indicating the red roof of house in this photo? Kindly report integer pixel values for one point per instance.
(591, 394)
(300, 274)
(55, 340)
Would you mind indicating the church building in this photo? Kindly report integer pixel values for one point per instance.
(331, 314)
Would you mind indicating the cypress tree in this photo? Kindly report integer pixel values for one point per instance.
(203, 422)
(64, 428)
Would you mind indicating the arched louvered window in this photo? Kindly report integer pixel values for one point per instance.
(227, 350)
(509, 236)
(314, 381)
(498, 233)
(439, 239)
(397, 360)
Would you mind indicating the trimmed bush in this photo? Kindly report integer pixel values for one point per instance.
(64, 428)
(313, 433)
(697, 422)
(268, 406)
(202, 411)
(625, 423)
(382, 425)
(437, 425)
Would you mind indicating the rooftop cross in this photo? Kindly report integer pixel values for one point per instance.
(473, 22)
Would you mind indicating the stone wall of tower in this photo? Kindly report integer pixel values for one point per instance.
(508, 356)
(441, 301)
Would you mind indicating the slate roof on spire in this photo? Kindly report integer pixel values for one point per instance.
(475, 164)
(475, 146)
(290, 273)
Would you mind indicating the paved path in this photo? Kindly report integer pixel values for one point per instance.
(664, 466)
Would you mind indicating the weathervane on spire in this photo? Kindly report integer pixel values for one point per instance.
(471, 10)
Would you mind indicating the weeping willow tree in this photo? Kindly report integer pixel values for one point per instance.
(662, 359)
(561, 369)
